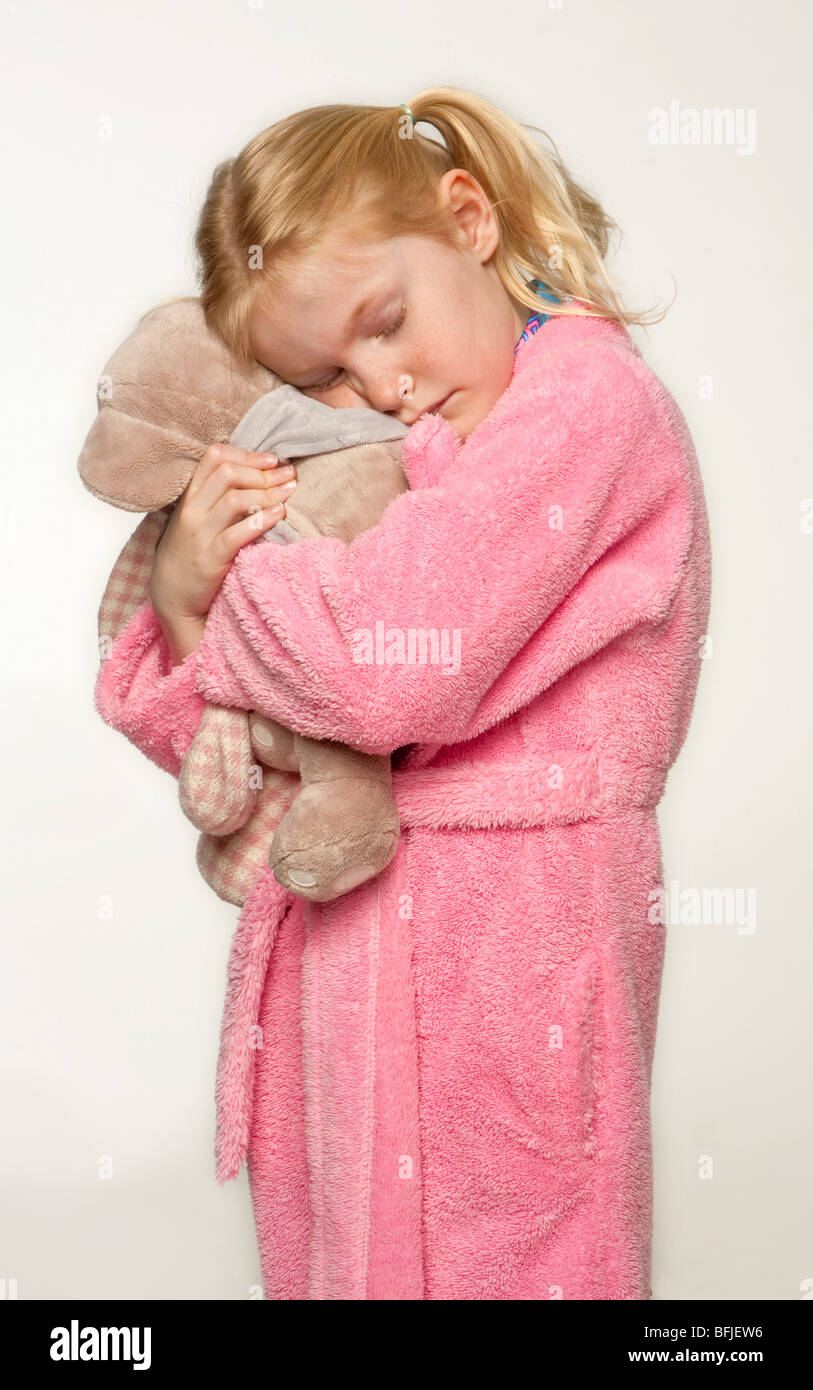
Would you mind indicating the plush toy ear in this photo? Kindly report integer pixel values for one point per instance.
(168, 391)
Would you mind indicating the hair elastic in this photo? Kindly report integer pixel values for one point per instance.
(409, 113)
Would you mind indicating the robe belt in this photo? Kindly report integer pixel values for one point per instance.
(560, 786)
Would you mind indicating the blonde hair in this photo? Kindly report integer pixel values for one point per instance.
(367, 169)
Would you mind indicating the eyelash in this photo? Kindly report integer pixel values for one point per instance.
(385, 333)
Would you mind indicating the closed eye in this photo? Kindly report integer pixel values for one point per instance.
(387, 332)
(393, 327)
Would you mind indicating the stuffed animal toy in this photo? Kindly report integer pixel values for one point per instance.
(320, 813)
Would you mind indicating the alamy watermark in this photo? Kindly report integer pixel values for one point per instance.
(410, 646)
(707, 125)
(704, 907)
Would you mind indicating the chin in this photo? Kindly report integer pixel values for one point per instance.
(462, 424)
(451, 411)
(465, 421)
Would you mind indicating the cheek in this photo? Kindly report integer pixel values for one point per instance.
(444, 352)
(436, 336)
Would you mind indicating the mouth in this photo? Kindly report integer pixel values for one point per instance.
(436, 408)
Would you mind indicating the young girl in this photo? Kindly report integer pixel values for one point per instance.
(449, 1095)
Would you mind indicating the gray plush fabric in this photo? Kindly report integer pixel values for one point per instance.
(286, 423)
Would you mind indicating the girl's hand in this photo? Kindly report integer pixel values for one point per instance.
(232, 496)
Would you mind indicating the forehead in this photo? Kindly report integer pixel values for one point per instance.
(337, 269)
(308, 312)
(339, 259)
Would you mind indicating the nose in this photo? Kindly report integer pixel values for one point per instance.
(390, 394)
(380, 386)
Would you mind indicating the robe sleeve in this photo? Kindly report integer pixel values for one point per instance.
(561, 524)
(141, 694)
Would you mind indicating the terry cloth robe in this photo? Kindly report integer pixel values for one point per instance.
(441, 1080)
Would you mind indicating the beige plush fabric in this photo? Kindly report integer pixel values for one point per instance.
(166, 393)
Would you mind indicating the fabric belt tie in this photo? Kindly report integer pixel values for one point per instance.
(561, 787)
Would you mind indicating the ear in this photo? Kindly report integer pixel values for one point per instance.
(468, 203)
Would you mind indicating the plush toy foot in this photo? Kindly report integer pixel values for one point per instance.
(272, 744)
(335, 836)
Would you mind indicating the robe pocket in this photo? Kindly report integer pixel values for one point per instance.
(538, 1042)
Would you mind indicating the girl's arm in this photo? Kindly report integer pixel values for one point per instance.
(139, 692)
(552, 532)
(145, 688)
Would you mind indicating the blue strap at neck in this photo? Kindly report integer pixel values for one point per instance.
(542, 290)
(537, 318)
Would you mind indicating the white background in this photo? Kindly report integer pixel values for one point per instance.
(110, 1028)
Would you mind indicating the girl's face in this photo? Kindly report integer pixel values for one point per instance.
(359, 323)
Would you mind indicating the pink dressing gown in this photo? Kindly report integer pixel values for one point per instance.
(440, 1081)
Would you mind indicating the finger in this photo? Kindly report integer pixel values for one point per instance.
(237, 501)
(217, 455)
(235, 537)
(231, 476)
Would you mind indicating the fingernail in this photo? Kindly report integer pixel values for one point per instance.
(289, 487)
(270, 458)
